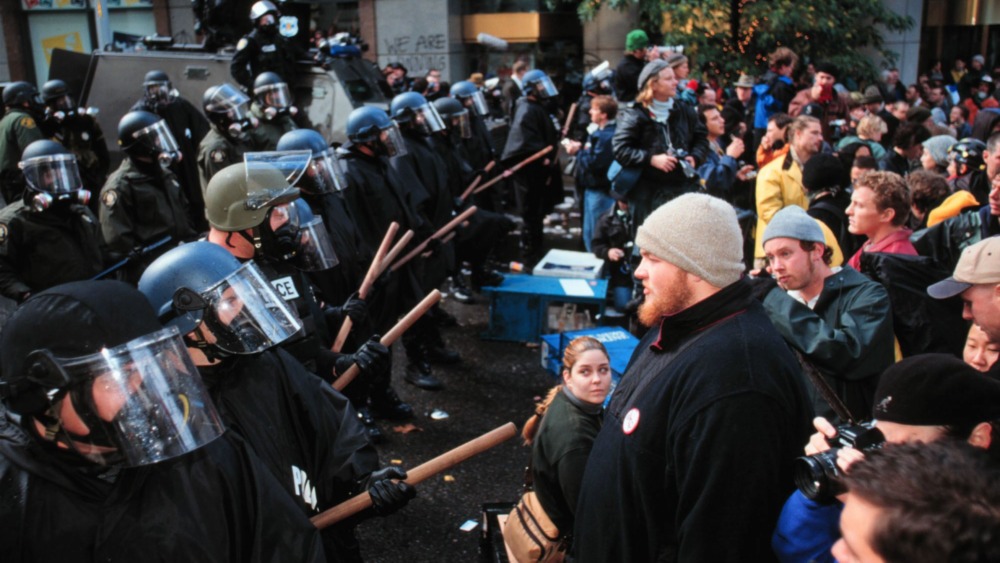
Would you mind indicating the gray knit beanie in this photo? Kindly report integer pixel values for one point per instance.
(938, 146)
(697, 233)
(651, 69)
(793, 222)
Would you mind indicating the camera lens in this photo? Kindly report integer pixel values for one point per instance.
(817, 476)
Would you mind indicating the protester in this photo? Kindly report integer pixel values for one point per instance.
(695, 453)
(592, 163)
(721, 168)
(980, 352)
(880, 207)
(563, 429)
(935, 154)
(928, 190)
(664, 140)
(628, 69)
(772, 145)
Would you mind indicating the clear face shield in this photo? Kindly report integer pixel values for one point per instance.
(270, 176)
(545, 88)
(158, 93)
(274, 100)
(325, 175)
(235, 105)
(315, 247)
(160, 142)
(392, 140)
(427, 119)
(63, 104)
(459, 123)
(135, 404)
(55, 178)
(478, 103)
(244, 315)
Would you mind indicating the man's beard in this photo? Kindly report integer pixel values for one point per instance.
(670, 302)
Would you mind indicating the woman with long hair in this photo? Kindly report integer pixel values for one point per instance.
(564, 426)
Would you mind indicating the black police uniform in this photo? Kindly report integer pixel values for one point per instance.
(18, 129)
(82, 136)
(353, 254)
(216, 504)
(536, 193)
(188, 126)
(41, 249)
(303, 430)
(259, 52)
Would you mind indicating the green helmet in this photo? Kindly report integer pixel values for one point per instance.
(239, 197)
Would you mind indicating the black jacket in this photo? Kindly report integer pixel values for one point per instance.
(627, 78)
(695, 456)
(612, 231)
(531, 131)
(304, 431)
(216, 504)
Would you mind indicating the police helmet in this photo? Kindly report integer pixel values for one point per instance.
(200, 287)
(455, 115)
(968, 151)
(54, 89)
(51, 175)
(465, 91)
(371, 125)
(239, 198)
(325, 173)
(538, 83)
(97, 345)
(145, 134)
(229, 109)
(270, 91)
(261, 9)
(17, 93)
(156, 77)
(413, 110)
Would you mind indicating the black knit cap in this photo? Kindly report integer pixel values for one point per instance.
(821, 172)
(936, 390)
(828, 68)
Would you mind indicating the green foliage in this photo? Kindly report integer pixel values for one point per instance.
(729, 36)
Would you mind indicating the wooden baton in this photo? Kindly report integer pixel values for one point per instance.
(458, 220)
(479, 177)
(394, 333)
(366, 284)
(569, 119)
(421, 472)
(515, 168)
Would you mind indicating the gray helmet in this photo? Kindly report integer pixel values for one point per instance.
(238, 198)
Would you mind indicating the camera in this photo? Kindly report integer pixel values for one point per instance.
(818, 477)
(749, 175)
(686, 167)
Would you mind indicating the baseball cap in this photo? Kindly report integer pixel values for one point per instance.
(979, 263)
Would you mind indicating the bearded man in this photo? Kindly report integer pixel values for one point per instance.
(694, 459)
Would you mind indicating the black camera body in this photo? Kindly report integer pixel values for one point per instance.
(686, 167)
(818, 477)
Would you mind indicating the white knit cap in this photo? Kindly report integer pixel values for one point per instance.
(699, 234)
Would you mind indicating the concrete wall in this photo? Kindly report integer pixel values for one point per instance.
(421, 34)
(181, 20)
(906, 44)
(604, 37)
(4, 65)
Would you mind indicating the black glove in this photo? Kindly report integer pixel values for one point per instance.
(761, 285)
(389, 496)
(354, 307)
(372, 358)
(458, 203)
(383, 280)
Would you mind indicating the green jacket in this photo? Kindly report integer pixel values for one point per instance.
(847, 336)
(139, 208)
(265, 137)
(18, 129)
(216, 152)
(559, 455)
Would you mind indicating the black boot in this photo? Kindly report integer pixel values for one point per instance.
(388, 405)
(375, 435)
(419, 373)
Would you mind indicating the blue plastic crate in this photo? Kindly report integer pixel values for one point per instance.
(519, 305)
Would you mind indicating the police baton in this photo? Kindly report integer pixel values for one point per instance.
(479, 177)
(393, 335)
(515, 168)
(440, 233)
(366, 283)
(569, 119)
(121, 263)
(420, 473)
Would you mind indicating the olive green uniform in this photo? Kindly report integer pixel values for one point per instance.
(215, 152)
(265, 137)
(18, 129)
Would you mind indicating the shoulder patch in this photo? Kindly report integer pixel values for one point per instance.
(218, 156)
(109, 198)
(27, 122)
(242, 44)
(4, 233)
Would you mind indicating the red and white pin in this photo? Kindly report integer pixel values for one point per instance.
(631, 421)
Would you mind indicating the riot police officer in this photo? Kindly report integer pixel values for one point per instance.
(272, 106)
(18, 129)
(110, 447)
(228, 110)
(188, 126)
(142, 203)
(77, 130)
(49, 236)
(304, 430)
(536, 188)
(418, 121)
(249, 214)
(264, 49)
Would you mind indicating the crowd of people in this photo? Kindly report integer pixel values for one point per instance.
(813, 272)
